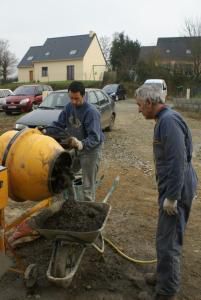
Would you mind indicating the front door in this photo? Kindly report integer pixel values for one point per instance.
(30, 76)
(70, 72)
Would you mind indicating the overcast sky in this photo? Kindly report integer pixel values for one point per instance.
(28, 23)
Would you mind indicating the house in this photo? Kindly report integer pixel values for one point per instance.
(174, 53)
(77, 57)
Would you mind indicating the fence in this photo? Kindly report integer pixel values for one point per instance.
(188, 104)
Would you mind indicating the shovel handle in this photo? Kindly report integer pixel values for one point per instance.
(112, 189)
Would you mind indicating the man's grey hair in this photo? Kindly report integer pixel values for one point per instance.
(151, 92)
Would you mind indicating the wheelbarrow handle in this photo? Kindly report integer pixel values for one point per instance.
(112, 189)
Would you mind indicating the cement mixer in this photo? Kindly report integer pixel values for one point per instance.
(32, 167)
(37, 165)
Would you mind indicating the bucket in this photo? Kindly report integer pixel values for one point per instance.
(78, 188)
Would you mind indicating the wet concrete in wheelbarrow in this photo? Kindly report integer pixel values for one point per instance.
(78, 216)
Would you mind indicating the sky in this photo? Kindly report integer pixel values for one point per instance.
(26, 23)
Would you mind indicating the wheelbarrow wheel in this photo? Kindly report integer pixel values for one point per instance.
(60, 260)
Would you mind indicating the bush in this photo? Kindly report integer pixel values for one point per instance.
(56, 85)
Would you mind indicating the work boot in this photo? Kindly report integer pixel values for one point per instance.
(150, 278)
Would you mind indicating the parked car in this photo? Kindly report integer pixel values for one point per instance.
(49, 110)
(115, 91)
(161, 84)
(3, 94)
(25, 97)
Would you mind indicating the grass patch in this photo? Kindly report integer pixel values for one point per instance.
(7, 122)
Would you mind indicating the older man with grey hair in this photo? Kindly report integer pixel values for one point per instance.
(177, 182)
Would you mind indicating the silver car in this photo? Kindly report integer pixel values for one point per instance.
(3, 94)
(49, 110)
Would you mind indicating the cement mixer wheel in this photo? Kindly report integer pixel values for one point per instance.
(30, 275)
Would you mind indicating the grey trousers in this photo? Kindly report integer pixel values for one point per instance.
(88, 162)
(169, 241)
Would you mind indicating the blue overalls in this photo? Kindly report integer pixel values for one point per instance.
(176, 180)
(83, 122)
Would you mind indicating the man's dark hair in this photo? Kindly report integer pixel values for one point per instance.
(77, 86)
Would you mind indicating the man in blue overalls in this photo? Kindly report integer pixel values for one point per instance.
(82, 121)
(177, 182)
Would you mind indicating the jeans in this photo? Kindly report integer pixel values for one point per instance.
(88, 162)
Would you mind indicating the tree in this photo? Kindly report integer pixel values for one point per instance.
(124, 55)
(8, 60)
(105, 43)
(193, 31)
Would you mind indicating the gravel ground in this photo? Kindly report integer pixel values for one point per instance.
(131, 224)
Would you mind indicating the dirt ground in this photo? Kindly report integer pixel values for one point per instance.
(131, 224)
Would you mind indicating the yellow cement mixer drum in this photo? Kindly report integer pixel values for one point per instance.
(37, 165)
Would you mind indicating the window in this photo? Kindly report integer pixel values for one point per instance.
(92, 98)
(7, 93)
(72, 52)
(44, 71)
(47, 88)
(101, 97)
(2, 94)
(29, 57)
(70, 72)
(39, 90)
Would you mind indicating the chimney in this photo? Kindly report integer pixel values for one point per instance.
(91, 33)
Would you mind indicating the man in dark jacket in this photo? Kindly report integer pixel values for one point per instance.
(177, 182)
(82, 121)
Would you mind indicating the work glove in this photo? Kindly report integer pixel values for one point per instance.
(170, 206)
(74, 143)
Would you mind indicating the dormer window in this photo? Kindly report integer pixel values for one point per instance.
(73, 52)
(29, 57)
(167, 51)
(188, 51)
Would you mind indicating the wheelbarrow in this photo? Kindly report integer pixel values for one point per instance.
(69, 246)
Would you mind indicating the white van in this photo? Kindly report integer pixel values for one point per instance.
(161, 83)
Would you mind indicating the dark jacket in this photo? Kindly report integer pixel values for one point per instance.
(83, 123)
(172, 145)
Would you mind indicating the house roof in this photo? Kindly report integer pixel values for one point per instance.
(59, 48)
(172, 48)
(176, 48)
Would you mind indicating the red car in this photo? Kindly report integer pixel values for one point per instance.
(25, 98)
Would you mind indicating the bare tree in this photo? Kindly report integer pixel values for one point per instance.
(193, 32)
(105, 43)
(8, 60)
